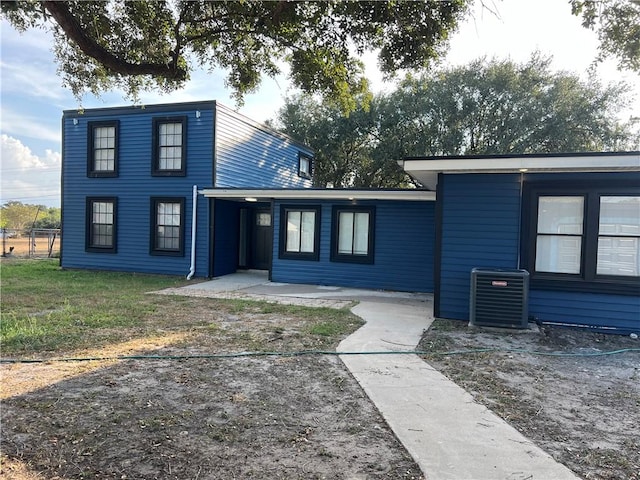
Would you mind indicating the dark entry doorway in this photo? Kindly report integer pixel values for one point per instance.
(261, 242)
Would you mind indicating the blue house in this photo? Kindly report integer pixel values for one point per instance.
(129, 188)
(571, 220)
(196, 189)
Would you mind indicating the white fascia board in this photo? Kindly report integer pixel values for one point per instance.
(596, 163)
(319, 194)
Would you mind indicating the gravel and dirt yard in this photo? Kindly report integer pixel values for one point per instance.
(266, 417)
(580, 406)
(273, 416)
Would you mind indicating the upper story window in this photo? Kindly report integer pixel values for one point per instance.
(102, 149)
(305, 166)
(169, 146)
(167, 226)
(300, 232)
(584, 239)
(352, 237)
(101, 225)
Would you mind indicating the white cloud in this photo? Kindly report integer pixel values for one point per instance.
(27, 177)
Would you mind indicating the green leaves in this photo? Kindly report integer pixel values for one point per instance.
(150, 44)
(486, 107)
(617, 23)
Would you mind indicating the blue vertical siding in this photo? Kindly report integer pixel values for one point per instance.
(480, 228)
(404, 241)
(133, 187)
(250, 155)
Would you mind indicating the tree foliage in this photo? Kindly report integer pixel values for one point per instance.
(617, 23)
(20, 216)
(500, 107)
(486, 107)
(150, 44)
(344, 145)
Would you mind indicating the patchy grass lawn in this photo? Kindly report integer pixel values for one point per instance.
(174, 417)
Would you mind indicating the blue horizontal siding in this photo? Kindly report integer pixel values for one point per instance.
(254, 157)
(619, 312)
(404, 241)
(480, 228)
(133, 187)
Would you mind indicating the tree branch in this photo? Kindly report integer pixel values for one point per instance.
(74, 31)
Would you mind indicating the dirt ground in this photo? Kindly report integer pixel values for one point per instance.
(19, 246)
(583, 409)
(302, 417)
(271, 417)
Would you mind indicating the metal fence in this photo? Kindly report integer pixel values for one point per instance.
(44, 242)
(38, 242)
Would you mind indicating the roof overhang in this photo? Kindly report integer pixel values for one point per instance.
(253, 194)
(426, 169)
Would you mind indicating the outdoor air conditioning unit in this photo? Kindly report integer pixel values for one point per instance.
(499, 298)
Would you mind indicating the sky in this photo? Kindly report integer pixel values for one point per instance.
(32, 97)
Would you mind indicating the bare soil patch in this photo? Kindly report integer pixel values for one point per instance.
(582, 407)
(271, 417)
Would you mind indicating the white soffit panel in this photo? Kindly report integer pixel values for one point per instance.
(562, 163)
(318, 194)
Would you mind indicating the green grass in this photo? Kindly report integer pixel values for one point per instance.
(47, 310)
(45, 307)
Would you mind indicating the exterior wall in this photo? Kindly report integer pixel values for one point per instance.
(249, 155)
(618, 312)
(133, 187)
(404, 241)
(479, 226)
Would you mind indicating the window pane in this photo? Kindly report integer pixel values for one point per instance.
(558, 254)
(263, 219)
(305, 165)
(345, 233)
(293, 231)
(560, 215)
(101, 224)
(104, 148)
(620, 216)
(308, 232)
(619, 256)
(170, 146)
(361, 237)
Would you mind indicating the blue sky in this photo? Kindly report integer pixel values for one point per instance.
(33, 98)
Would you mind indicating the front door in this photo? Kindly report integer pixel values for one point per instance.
(261, 242)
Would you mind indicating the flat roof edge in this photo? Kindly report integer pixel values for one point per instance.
(320, 194)
(523, 155)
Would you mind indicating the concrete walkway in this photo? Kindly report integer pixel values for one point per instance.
(448, 434)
